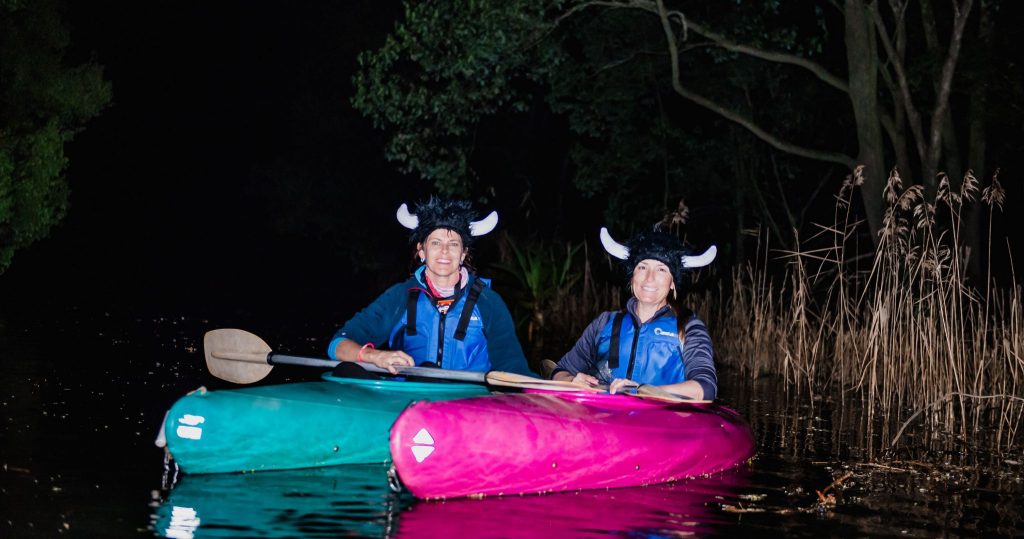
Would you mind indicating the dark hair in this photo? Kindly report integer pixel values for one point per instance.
(450, 214)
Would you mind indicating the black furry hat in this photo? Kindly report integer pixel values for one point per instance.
(659, 246)
(437, 212)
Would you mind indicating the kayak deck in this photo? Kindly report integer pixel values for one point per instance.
(546, 441)
(299, 425)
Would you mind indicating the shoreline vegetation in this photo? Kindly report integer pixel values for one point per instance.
(901, 332)
(908, 336)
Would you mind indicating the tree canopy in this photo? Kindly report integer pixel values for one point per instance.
(753, 103)
(44, 102)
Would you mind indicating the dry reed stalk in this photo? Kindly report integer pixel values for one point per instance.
(908, 334)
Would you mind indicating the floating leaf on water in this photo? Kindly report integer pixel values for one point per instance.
(734, 509)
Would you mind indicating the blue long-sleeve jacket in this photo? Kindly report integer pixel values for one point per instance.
(695, 361)
(490, 343)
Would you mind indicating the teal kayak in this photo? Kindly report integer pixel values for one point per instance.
(298, 425)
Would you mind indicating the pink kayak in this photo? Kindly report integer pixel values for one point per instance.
(542, 441)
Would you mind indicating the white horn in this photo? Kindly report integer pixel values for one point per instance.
(407, 219)
(701, 260)
(613, 247)
(485, 225)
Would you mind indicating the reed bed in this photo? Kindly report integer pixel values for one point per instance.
(892, 326)
(904, 333)
(552, 294)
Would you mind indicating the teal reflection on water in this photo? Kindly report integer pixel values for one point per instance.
(356, 501)
(351, 501)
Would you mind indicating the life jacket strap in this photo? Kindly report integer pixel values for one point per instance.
(613, 350)
(467, 309)
(684, 318)
(410, 311)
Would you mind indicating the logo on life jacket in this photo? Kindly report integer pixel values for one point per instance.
(444, 304)
(659, 331)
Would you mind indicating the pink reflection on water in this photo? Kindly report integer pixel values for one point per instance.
(682, 508)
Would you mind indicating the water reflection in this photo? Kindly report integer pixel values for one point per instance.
(78, 460)
(684, 508)
(351, 501)
(355, 501)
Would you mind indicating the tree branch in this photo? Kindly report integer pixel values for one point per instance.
(816, 69)
(946, 82)
(944, 398)
(729, 114)
(733, 116)
(728, 44)
(913, 117)
(540, 35)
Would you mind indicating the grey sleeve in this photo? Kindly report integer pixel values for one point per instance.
(698, 357)
(583, 356)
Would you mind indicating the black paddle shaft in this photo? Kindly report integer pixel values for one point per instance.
(423, 372)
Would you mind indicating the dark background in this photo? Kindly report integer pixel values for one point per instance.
(217, 182)
(181, 220)
(216, 105)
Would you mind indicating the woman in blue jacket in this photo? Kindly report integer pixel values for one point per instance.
(651, 342)
(443, 315)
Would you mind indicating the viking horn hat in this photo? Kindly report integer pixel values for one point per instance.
(435, 213)
(657, 246)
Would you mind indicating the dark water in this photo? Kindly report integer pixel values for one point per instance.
(82, 400)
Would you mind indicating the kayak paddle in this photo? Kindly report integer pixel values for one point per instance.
(655, 392)
(241, 357)
(644, 390)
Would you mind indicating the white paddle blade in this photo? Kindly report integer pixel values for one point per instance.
(511, 379)
(236, 355)
(656, 393)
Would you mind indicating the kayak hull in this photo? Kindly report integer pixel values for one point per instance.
(553, 441)
(298, 425)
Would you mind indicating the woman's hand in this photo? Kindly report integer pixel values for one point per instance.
(619, 384)
(388, 359)
(579, 378)
(584, 379)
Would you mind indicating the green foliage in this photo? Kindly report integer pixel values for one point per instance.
(447, 66)
(552, 293)
(43, 104)
(541, 270)
(545, 275)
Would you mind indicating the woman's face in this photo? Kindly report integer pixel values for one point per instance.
(442, 251)
(652, 281)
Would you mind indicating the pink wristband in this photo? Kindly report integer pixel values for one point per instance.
(365, 346)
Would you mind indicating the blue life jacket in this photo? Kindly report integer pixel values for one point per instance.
(453, 340)
(650, 353)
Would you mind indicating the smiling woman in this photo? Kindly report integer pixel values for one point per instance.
(662, 345)
(443, 255)
(443, 315)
